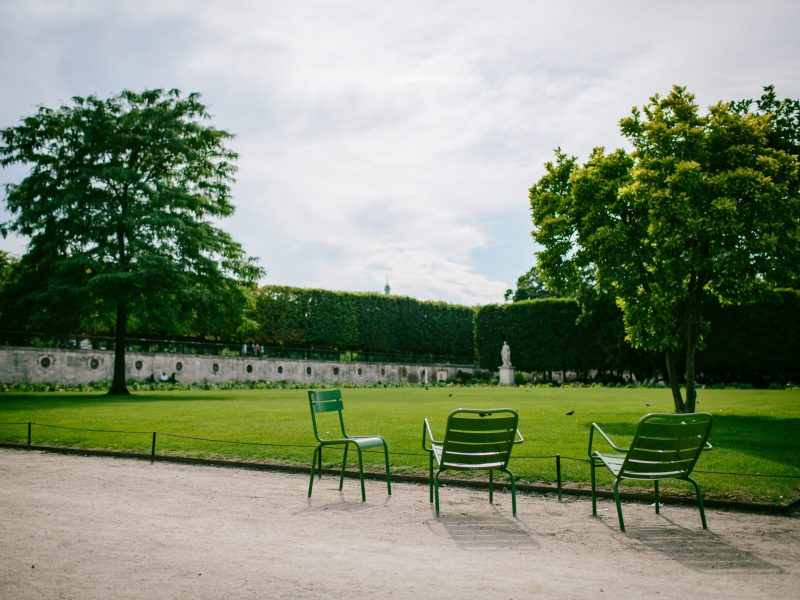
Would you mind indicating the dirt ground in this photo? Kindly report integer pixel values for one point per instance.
(89, 527)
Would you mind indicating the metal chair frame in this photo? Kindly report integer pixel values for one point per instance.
(322, 401)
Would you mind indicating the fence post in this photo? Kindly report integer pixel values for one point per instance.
(558, 475)
(153, 449)
(29, 435)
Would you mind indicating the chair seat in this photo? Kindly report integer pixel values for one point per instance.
(614, 463)
(466, 466)
(365, 441)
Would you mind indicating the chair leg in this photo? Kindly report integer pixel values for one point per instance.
(619, 507)
(344, 465)
(658, 504)
(699, 503)
(436, 491)
(388, 475)
(319, 463)
(430, 476)
(361, 474)
(491, 486)
(313, 464)
(513, 493)
(594, 493)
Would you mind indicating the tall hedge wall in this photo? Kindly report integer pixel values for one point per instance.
(551, 334)
(754, 343)
(344, 321)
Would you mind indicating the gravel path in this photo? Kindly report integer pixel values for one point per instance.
(89, 527)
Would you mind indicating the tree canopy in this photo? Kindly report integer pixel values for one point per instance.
(120, 206)
(704, 206)
(529, 287)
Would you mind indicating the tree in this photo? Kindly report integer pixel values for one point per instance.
(119, 207)
(529, 287)
(704, 206)
(8, 263)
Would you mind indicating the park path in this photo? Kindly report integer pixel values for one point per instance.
(92, 527)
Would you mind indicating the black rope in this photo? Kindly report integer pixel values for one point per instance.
(187, 437)
(92, 430)
(747, 474)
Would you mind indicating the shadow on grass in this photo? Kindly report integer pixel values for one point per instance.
(700, 550)
(53, 400)
(766, 438)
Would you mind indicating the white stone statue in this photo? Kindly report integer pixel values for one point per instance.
(505, 354)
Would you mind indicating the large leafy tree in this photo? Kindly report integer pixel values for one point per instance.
(120, 206)
(703, 206)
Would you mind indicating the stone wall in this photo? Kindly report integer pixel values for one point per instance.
(51, 365)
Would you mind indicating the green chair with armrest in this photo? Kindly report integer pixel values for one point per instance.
(474, 439)
(664, 446)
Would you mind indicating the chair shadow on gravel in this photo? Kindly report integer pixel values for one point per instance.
(487, 532)
(699, 550)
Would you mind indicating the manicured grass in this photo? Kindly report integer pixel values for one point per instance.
(755, 432)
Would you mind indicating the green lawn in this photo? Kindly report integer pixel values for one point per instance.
(755, 432)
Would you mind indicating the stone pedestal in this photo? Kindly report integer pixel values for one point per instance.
(506, 375)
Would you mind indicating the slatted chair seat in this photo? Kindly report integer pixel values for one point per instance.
(665, 446)
(475, 439)
(329, 401)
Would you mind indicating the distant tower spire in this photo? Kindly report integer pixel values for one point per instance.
(386, 288)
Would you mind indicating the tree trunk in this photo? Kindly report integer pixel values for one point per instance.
(674, 384)
(692, 335)
(118, 385)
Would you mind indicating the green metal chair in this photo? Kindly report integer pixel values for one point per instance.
(326, 401)
(475, 439)
(665, 446)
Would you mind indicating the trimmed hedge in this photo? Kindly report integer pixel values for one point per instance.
(757, 343)
(360, 322)
(542, 334)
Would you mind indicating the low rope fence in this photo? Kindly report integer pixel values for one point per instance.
(556, 457)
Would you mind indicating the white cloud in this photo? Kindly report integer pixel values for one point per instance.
(397, 139)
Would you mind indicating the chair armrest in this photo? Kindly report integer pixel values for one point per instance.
(426, 433)
(605, 437)
(518, 435)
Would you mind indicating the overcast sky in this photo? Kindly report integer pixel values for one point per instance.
(395, 139)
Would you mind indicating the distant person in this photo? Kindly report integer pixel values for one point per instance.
(164, 377)
(244, 349)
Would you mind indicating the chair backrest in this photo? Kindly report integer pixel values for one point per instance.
(324, 401)
(666, 445)
(479, 438)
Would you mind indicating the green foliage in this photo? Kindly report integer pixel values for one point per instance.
(754, 431)
(343, 321)
(704, 208)
(542, 334)
(8, 267)
(529, 287)
(755, 343)
(120, 206)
